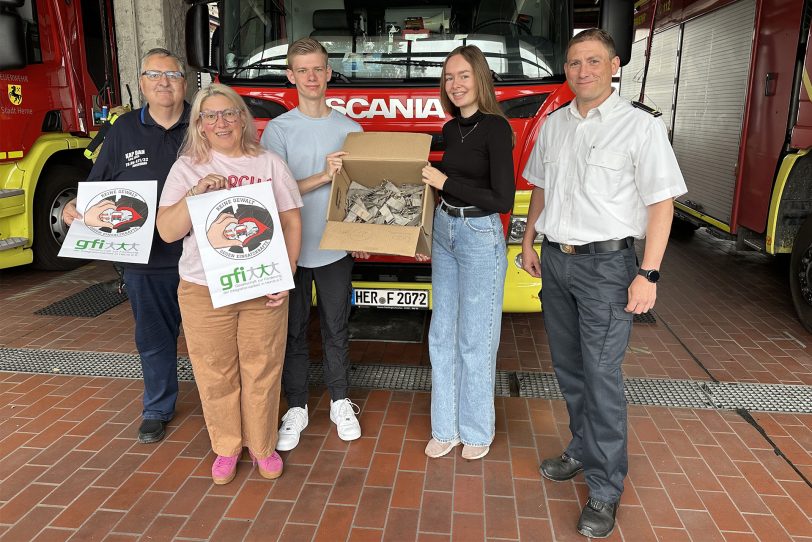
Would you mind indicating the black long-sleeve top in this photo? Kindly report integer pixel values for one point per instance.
(480, 168)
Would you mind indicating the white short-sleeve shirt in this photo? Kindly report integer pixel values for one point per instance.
(599, 172)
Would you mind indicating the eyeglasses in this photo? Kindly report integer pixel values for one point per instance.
(229, 115)
(154, 75)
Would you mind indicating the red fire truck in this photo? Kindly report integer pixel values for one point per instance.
(731, 78)
(386, 57)
(57, 70)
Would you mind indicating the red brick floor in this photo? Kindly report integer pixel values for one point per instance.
(71, 469)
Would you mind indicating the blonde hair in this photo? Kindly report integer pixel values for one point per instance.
(485, 94)
(305, 46)
(196, 146)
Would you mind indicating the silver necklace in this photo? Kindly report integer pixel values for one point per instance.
(462, 137)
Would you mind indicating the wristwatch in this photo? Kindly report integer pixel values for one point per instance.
(652, 275)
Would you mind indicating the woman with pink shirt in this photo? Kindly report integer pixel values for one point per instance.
(237, 351)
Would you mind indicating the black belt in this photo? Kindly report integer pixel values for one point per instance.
(598, 247)
(469, 212)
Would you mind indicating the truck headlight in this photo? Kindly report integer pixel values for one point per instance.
(517, 227)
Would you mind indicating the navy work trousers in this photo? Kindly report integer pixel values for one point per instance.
(583, 297)
(154, 301)
(333, 286)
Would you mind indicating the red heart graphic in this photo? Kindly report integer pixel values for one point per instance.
(261, 228)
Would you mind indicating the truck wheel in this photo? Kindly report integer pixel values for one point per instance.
(800, 274)
(56, 187)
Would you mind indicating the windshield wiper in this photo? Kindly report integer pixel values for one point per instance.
(404, 62)
(261, 63)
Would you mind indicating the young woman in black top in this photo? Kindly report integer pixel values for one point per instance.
(476, 183)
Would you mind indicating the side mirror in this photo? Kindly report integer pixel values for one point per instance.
(197, 36)
(617, 18)
(12, 42)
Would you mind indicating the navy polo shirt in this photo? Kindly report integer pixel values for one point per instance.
(139, 149)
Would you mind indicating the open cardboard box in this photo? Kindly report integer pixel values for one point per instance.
(398, 157)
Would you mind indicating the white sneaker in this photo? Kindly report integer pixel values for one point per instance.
(342, 413)
(293, 423)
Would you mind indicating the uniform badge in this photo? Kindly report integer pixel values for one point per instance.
(15, 94)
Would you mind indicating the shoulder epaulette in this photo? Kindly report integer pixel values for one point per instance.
(647, 109)
(562, 106)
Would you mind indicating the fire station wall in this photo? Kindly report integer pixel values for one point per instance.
(142, 25)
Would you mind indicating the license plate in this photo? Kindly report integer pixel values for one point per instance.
(394, 299)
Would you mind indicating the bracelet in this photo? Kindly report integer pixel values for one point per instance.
(192, 192)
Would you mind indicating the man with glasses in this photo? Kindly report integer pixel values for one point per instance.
(309, 138)
(143, 145)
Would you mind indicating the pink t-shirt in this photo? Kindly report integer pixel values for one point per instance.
(265, 168)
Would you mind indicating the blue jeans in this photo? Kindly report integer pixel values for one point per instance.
(154, 301)
(468, 269)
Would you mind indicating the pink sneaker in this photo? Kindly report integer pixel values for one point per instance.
(270, 467)
(224, 468)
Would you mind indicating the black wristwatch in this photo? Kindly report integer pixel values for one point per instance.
(652, 275)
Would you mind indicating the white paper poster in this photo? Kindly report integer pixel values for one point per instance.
(241, 244)
(118, 222)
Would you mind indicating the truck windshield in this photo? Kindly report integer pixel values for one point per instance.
(371, 40)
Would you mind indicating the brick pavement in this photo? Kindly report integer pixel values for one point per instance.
(72, 470)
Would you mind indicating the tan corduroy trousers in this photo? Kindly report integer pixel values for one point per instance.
(237, 353)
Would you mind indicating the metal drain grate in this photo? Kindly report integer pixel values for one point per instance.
(645, 318)
(88, 303)
(761, 397)
(538, 385)
(639, 391)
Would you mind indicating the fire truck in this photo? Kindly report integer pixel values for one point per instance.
(386, 57)
(731, 79)
(57, 72)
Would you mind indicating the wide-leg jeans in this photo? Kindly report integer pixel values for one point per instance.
(468, 269)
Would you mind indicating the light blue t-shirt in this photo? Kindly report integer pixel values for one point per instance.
(304, 143)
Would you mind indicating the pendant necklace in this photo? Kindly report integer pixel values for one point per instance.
(462, 137)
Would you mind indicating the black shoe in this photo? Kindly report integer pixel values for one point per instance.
(597, 518)
(560, 469)
(151, 431)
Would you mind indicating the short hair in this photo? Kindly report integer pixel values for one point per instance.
(196, 146)
(594, 34)
(305, 46)
(160, 51)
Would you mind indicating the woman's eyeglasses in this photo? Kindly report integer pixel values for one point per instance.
(229, 115)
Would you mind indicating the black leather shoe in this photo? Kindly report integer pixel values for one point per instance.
(597, 518)
(151, 431)
(560, 469)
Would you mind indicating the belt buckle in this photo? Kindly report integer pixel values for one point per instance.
(566, 249)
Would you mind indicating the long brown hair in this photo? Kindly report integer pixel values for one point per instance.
(485, 94)
(196, 146)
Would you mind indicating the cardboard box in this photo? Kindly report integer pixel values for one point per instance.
(398, 157)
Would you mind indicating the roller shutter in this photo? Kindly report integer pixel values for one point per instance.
(711, 94)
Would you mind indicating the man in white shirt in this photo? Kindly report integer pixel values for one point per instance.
(604, 175)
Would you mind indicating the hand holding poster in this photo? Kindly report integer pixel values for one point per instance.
(118, 222)
(240, 239)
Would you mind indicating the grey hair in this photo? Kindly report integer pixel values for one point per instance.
(160, 51)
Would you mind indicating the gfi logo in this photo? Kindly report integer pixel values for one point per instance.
(409, 108)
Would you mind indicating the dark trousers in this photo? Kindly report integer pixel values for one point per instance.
(154, 301)
(583, 297)
(333, 286)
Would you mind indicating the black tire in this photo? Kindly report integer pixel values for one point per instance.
(56, 187)
(800, 274)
